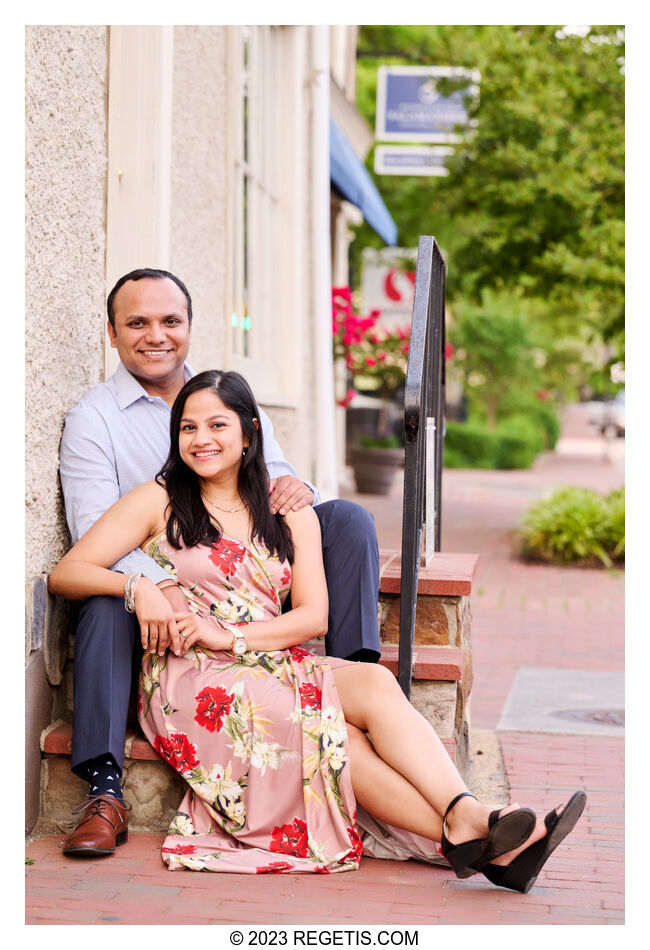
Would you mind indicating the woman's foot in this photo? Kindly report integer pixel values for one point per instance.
(538, 832)
(470, 819)
(474, 834)
(518, 868)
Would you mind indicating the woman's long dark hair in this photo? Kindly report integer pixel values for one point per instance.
(189, 522)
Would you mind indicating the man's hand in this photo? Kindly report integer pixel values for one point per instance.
(156, 617)
(195, 630)
(287, 493)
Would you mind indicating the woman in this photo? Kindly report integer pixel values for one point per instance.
(276, 744)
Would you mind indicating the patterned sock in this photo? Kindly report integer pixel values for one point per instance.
(104, 776)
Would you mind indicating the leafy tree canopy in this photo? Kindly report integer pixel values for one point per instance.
(534, 202)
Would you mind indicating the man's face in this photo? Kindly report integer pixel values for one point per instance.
(152, 332)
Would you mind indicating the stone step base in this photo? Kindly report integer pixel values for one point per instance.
(154, 790)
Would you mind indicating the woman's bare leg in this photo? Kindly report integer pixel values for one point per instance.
(387, 795)
(372, 701)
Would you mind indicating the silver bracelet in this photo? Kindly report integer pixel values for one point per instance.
(129, 592)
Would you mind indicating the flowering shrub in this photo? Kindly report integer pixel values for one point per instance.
(370, 352)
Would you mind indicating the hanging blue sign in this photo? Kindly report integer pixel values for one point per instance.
(411, 107)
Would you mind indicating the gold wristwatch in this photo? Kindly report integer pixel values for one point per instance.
(239, 645)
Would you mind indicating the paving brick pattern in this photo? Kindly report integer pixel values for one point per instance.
(523, 615)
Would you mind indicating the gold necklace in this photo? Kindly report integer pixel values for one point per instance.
(228, 511)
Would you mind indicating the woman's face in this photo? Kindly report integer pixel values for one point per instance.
(210, 439)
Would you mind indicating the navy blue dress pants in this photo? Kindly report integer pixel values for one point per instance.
(108, 649)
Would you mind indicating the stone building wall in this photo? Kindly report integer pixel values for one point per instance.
(67, 89)
(65, 290)
(65, 254)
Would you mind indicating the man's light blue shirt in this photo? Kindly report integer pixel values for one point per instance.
(116, 438)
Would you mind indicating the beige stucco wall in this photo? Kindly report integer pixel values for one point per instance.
(65, 248)
(64, 299)
(66, 182)
(200, 186)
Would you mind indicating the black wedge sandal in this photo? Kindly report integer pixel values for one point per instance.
(505, 833)
(521, 874)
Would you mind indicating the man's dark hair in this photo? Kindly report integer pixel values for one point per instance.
(138, 275)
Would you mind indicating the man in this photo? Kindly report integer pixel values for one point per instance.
(116, 438)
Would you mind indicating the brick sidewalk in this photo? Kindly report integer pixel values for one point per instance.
(523, 615)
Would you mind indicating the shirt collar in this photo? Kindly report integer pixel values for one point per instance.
(129, 390)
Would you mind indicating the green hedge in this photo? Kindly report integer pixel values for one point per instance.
(520, 442)
(575, 525)
(541, 414)
(470, 445)
(515, 443)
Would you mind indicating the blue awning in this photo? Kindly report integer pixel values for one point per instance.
(351, 178)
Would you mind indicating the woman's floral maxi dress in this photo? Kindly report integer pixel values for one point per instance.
(260, 739)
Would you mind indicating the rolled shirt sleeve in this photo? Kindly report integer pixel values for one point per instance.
(90, 483)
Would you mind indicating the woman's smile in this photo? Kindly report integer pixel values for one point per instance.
(205, 454)
(206, 421)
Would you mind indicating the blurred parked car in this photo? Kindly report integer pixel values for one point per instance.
(612, 423)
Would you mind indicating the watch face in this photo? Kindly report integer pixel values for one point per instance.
(239, 646)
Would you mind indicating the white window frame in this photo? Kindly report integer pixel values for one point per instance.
(265, 264)
(138, 201)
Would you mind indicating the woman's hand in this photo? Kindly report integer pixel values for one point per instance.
(196, 630)
(156, 618)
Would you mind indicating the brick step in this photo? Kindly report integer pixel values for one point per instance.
(446, 575)
(154, 790)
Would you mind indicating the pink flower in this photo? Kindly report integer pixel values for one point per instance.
(370, 361)
(342, 292)
(347, 399)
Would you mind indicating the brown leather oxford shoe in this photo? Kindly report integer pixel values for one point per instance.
(103, 826)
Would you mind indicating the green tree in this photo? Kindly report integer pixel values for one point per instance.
(534, 201)
(495, 353)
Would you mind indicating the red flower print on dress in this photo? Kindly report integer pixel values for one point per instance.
(180, 849)
(285, 580)
(310, 696)
(298, 654)
(177, 750)
(275, 867)
(214, 703)
(291, 839)
(228, 555)
(355, 840)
